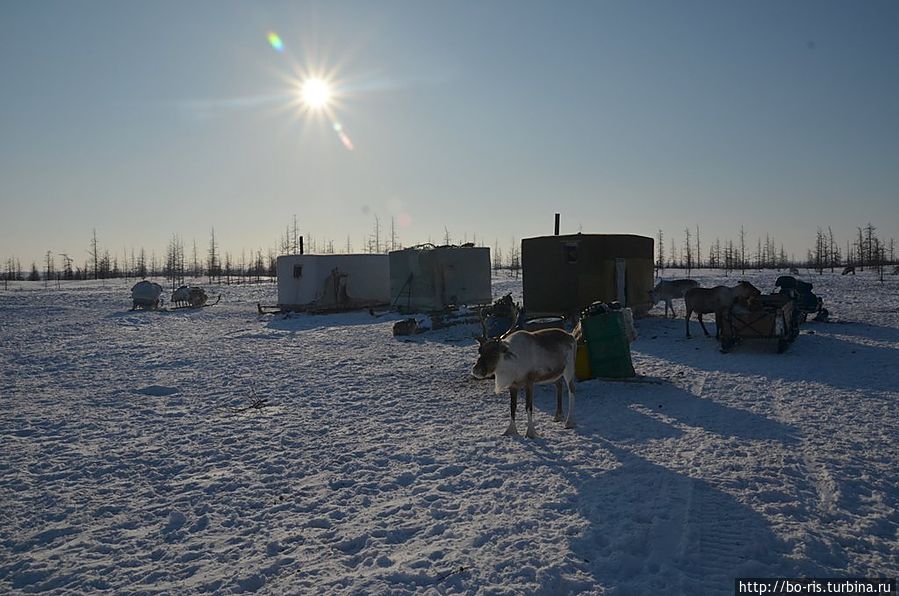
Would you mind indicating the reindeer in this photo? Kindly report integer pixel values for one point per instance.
(848, 270)
(521, 359)
(669, 290)
(715, 300)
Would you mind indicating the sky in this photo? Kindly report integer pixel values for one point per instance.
(478, 119)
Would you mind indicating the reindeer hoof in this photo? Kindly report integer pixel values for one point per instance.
(532, 434)
(557, 418)
(569, 423)
(511, 431)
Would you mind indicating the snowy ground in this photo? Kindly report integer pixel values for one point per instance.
(378, 465)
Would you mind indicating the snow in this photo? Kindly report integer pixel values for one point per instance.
(216, 450)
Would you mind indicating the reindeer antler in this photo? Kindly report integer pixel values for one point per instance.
(483, 322)
(516, 315)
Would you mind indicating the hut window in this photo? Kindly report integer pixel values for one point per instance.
(298, 271)
(569, 249)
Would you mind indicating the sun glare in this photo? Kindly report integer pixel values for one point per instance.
(315, 93)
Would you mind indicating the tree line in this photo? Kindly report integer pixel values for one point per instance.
(180, 261)
(865, 250)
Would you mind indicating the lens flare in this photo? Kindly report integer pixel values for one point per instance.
(274, 40)
(347, 142)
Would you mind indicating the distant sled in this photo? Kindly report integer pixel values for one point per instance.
(194, 307)
(191, 297)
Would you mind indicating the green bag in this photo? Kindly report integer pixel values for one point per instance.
(607, 345)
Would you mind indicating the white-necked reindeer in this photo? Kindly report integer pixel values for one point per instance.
(671, 289)
(520, 359)
(715, 300)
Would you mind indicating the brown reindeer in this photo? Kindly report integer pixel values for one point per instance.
(715, 300)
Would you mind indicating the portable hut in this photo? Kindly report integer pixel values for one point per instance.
(332, 282)
(564, 274)
(431, 278)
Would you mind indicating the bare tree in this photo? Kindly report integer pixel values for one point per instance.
(834, 250)
(819, 257)
(871, 242)
(35, 275)
(195, 264)
(715, 254)
(174, 261)
(688, 251)
(213, 268)
(742, 251)
(392, 233)
(142, 264)
(698, 249)
(660, 255)
(514, 257)
(861, 250)
(94, 253)
(376, 236)
(759, 256)
(48, 273)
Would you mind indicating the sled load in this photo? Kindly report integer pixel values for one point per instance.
(774, 316)
(805, 301)
(189, 297)
(145, 295)
(769, 317)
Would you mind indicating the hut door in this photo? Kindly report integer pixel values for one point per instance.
(620, 280)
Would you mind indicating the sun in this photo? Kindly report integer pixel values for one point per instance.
(315, 94)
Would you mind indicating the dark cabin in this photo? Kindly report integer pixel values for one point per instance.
(564, 274)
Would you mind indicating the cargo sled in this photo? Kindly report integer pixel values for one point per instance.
(191, 297)
(772, 317)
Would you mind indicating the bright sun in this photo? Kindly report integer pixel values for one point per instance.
(315, 93)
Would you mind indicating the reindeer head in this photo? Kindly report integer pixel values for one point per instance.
(746, 290)
(490, 351)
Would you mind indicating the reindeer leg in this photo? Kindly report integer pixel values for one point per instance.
(512, 431)
(529, 406)
(569, 423)
(701, 324)
(559, 384)
(687, 321)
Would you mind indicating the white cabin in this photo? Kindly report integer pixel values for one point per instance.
(433, 278)
(332, 282)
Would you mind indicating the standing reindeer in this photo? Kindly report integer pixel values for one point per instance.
(671, 289)
(521, 359)
(715, 300)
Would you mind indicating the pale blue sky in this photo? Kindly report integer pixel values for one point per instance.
(145, 119)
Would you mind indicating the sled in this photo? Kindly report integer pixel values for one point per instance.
(197, 306)
(770, 317)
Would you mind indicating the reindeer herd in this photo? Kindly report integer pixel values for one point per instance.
(520, 359)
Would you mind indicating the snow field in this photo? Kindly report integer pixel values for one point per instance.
(133, 458)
